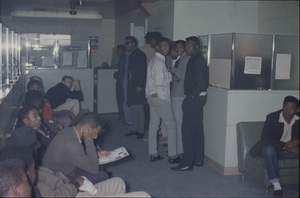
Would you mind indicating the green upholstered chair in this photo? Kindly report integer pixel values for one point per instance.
(248, 134)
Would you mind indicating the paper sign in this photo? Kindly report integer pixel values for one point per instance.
(67, 58)
(81, 62)
(48, 62)
(252, 65)
(283, 66)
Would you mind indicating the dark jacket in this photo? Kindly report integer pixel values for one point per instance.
(58, 95)
(196, 77)
(118, 75)
(272, 133)
(137, 74)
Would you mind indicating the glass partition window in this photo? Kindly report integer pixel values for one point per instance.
(253, 62)
(57, 51)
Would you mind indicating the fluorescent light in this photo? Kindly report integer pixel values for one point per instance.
(57, 14)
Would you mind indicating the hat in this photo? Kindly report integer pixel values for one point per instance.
(25, 136)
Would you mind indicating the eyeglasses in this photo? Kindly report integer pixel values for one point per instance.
(127, 43)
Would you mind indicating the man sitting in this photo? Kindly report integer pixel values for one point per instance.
(25, 154)
(13, 180)
(62, 98)
(67, 155)
(64, 117)
(279, 140)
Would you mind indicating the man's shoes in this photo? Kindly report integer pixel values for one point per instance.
(153, 159)
(199, 164)
(131, 133)
(278, 193)
(175, 160)
(163, 140)
(182, 168)
(128, 123)
(140, 135)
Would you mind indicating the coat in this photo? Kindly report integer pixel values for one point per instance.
(272, 133)
(137, 74)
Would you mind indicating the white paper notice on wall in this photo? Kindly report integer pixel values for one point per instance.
(48, 62)
(283, 66)
(82, 55)
(67, 58)
(82, 63)
(252, 65)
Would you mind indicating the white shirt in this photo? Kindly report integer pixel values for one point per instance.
(158, 78)
(287, 129)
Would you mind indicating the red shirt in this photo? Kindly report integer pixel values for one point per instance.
(47, 113)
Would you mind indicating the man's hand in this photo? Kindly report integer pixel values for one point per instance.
(288, 147)
(138, 90)
(76, 84)
(103, 153)
(79, 180)
(87, 133)
(60, 126)
(175, 79)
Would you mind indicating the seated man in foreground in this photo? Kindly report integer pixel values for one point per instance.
(67, 155)
(279, 139)
(62, 98)
(13, 180)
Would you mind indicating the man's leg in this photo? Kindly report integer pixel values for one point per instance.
(71, 105)
(163, 108)
(189, 126)
(120, 98)
(110, 187)
(135, 118)
(153, 128)
(198, 143)
(141, 118)
(94, 178)
(65, 120)
(177, 110)
(271, 156)
(137, 194)
(126, 108)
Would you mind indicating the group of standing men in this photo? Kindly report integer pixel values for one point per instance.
(176, 95)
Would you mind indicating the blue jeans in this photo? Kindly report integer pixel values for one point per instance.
(126, 108)
(271, 156)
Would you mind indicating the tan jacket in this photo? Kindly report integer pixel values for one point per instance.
(52, 184)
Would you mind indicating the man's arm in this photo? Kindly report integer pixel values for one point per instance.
(65, 91)
(200, 81)
(88, 159)
(157, 73)
(53, 186)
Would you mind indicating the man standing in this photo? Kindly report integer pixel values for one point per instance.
(119, 75)
(279, 140)
(137, 71)
(177, 92)
(62, 98)
(158, 96)
(195, 84)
